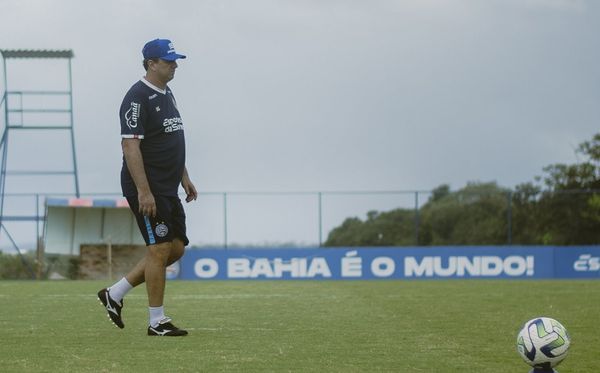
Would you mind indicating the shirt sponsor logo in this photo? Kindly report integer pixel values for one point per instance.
(173, 124)
(132, 115)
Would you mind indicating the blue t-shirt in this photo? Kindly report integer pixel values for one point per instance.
(150, 114)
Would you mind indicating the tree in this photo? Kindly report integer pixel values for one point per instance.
(474, 215)
(525, 215)
(393, 228)
(560, 208)
(564, 208)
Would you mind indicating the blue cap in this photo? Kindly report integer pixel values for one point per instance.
(160, 48)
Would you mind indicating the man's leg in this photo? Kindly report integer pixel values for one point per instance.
(154, 272)
(177, 251)
(156, 256)
(152, 266)
(136, 276)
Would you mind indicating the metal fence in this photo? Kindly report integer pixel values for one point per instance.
(306, 219)
(229, 219)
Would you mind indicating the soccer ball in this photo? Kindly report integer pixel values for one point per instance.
(543, 343)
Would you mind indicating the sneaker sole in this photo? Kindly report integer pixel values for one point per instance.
(172, 335)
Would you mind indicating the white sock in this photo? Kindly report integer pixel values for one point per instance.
(156, 315)
(118, 290)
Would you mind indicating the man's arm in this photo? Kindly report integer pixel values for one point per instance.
(135, 165)
(188, 186)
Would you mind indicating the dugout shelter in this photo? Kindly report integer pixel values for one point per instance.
(71, 222)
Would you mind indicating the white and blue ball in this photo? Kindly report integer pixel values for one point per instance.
(543, 343)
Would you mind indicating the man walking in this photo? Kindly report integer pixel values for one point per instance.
(153, 168)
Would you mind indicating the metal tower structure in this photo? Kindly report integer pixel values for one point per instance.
(16, 119)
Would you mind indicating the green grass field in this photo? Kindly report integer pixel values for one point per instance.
(296, 326)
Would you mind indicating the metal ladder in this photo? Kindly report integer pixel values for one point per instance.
(16, 119)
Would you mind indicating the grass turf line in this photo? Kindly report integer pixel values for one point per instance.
(329, 326)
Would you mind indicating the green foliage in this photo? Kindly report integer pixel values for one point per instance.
(527, 226)
(591, 149)
(474, 215)
(13, 267)
(563, 208)
(560, 208)
(393, 228)
(66, 266)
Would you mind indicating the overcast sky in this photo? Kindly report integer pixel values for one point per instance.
(312, 95)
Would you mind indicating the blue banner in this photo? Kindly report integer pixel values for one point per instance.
(578, 263)
(389, 263)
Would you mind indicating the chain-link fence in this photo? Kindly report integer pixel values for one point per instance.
(341, 218)
(310, 218)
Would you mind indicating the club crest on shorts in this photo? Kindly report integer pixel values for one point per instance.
(161, 230)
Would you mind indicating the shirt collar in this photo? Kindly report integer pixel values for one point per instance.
(163, 91)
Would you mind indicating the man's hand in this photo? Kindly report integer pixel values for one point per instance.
(147, 204)
(188, 186)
